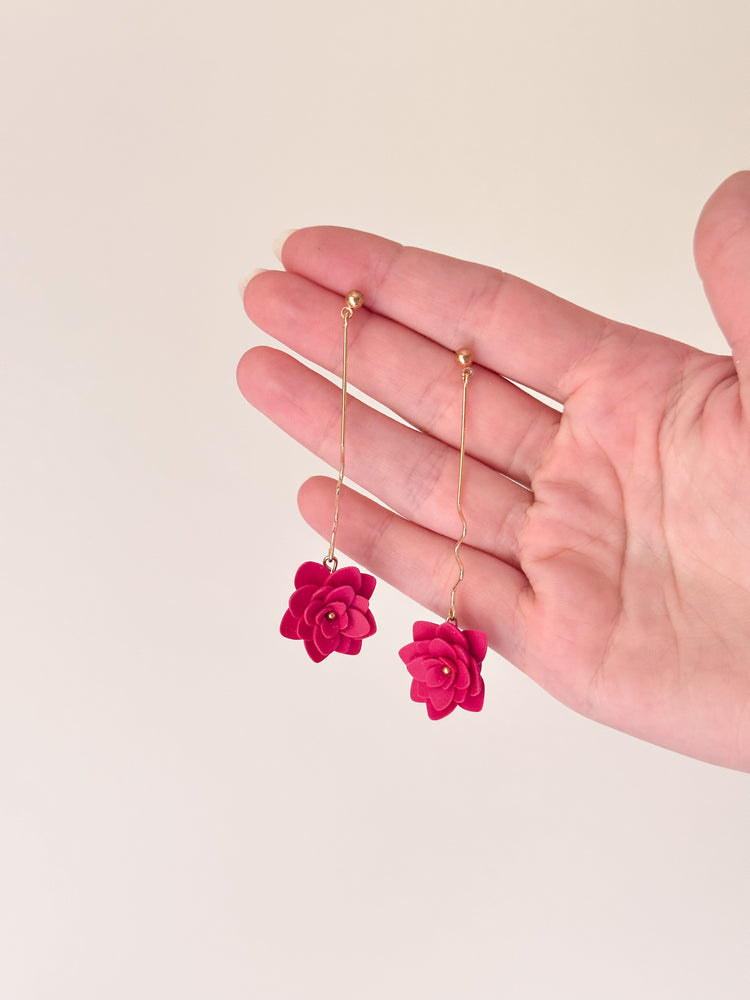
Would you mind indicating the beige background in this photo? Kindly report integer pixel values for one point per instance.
(189, 808)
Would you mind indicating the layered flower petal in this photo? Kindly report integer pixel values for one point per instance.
(301, 598)
(446, 666)
(289, 626)
(357, 626)
(329, 611)
(441, 698)
(311, 573)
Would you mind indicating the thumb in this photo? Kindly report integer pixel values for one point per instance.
(722, 253)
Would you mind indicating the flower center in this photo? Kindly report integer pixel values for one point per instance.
(331, 616)
(446, 670)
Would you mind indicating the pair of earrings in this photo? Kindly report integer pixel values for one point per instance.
(330, 607)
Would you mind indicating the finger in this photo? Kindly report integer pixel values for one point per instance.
(413, 473)
(722, 253)
(412, 375)
(512, 327)
(420, 564)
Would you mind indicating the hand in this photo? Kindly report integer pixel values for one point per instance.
(608, 553)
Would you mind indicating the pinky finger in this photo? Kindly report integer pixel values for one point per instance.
(420, 564)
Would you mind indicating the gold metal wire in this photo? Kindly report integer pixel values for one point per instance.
(354, 300)
(466, 373)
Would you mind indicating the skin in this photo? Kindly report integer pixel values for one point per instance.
(608, 554)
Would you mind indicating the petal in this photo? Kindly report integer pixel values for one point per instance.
(362, 604)
(326, 644)
(424, 630)
(461, 654)
(417, 668)
(329, 627)
(367, 585)
(343, 594)
(410, 655)
(435, 713)
(439, 647)
(433, 671)
(349, 576)
(435, 676)
(477, 643)
(311, 573)
(418, 692)
(407, 652)
(431, 662)
(463, 676)
(474, 702)
(349, 646)
(477, 683)
(300, 599)
(370, 623)
(313, 652)
(313, 609)
(358, 626)
(304, 629)
(419, 648)
(288, 626)
(337, 607)
(441, 698)
(450, 633)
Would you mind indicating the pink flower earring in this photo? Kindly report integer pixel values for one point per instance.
(445, 661)
(330, 607)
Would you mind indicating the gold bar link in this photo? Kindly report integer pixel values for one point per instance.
(463, 358)
(354, 300)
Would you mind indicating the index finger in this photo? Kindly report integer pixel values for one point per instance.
(521, 331)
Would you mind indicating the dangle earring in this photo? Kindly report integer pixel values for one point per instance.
(330, 607)
(445, 661)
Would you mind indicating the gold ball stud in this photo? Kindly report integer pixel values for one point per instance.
(463, 357)
(331, 616)
(354, 299)
(446, 670)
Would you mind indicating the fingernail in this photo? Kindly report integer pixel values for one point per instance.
(248, 278)
(278, 243)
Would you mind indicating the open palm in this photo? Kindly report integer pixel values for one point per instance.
(608, 553)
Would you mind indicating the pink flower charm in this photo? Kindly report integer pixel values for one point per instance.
(330, 611)
(446, 664)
